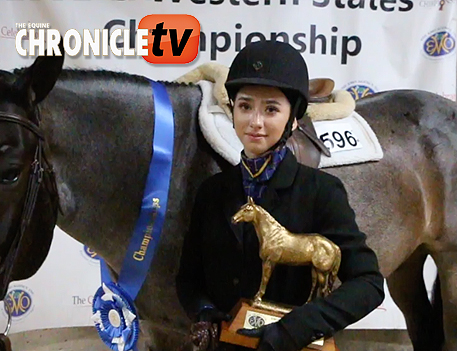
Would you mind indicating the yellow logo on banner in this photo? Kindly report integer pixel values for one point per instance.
(360, 88)
(439, 44)
(19, 302)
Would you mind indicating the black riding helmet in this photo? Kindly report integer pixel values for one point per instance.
(276, 64)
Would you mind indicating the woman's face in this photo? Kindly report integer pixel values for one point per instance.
(260, 117)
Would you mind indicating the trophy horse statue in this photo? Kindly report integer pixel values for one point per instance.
(278, 245)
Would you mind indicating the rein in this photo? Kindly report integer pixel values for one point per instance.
(39, 166)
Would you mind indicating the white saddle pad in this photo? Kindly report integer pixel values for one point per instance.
(350, 140)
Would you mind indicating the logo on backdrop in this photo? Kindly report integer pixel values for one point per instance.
(157, 40)
(360, 89)
(444, 2)
(91, 253)
(20, 301)
(438, 43)
(8, 32)
(441, 4)
(82, 301)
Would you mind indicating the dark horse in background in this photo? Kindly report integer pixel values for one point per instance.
(98, 128)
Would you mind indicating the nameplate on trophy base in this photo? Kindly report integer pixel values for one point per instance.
(246, 316)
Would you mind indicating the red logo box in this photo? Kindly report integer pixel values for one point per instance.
(171, 38)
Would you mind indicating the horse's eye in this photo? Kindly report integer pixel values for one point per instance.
(9, 177)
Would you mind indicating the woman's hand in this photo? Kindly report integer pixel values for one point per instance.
(204, 333)
(273, 337)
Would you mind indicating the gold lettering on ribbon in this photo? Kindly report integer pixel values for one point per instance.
(147, 237)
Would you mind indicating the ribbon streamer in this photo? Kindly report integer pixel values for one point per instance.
(114, 312)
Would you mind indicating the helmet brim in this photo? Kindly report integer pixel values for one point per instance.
(237, 83)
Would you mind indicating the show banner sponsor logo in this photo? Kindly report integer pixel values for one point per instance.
(439, 43)
(8, 32)
(360, 89)
(90, 253)
(90, 256)
(20, 301)
(82, 301)
(440, 4)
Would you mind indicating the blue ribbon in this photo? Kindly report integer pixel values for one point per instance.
(118, 297)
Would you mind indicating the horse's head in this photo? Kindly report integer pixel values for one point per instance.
(246, 213)
(27, 209)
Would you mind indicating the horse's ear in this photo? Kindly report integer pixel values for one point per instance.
(250, 200)
(41, 76)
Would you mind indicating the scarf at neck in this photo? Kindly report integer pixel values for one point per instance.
(257, 171)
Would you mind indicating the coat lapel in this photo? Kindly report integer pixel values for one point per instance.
(234, 198)
(282, 178)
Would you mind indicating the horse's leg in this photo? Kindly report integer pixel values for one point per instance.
(407, 288)
(325, 287)
(324, 280)
(314, 282)
(267, 268)
(447, 267)
(321, 281)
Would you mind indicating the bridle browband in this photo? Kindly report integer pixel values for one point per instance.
(13, 118)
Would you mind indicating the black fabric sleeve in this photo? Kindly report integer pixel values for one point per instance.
(362, 283)
(190, 283)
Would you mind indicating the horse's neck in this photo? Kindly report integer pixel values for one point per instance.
(100, 136)
(263, 223)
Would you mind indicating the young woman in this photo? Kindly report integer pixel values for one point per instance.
(268, 87)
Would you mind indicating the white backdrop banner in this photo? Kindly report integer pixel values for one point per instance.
(365, 46)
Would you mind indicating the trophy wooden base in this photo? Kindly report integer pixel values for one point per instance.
(246, 316)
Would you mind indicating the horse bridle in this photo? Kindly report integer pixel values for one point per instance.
(34, 183)
(13, 118)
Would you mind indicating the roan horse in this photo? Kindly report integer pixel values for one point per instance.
(278, 245)
(98, 126)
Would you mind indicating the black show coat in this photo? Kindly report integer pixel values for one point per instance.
(220, 261)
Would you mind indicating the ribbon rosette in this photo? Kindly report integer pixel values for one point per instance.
(115, 318)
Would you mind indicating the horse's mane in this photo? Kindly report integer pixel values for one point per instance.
(73, 73)
(76, 73)
(268, 217)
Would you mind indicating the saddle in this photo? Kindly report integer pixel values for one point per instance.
(304, 143)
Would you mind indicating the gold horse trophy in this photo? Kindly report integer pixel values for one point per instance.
(278, 245)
